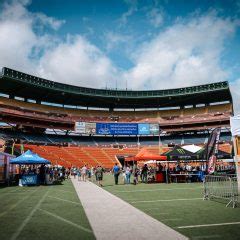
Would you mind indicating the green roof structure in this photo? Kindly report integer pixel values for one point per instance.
(19, 84)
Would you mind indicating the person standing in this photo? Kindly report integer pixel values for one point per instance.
(116, 172)
(144, 173)
(99, 175)
(84, 173)
(128, 174)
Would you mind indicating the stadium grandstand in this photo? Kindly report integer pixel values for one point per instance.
(73, 126)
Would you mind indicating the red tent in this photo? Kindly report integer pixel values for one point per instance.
(145, 155)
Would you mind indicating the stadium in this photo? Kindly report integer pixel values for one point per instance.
(73, 127)
(66, 123)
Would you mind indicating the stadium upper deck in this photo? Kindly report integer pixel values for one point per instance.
(18, 84)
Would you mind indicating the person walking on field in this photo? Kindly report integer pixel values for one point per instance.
(116, 172)
(84, 173)
(99, 175)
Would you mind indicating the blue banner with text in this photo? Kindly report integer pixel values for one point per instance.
(117, 128)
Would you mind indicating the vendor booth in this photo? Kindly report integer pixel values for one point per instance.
(29, 158)
(143, 155)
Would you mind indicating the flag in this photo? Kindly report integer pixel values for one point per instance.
(212, 150)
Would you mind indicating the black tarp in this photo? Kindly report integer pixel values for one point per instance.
(220, 155)
(179, 153)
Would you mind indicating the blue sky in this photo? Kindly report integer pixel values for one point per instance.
(134, 44)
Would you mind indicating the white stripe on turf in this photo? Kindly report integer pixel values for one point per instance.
(26, 220)
(167, 200)
(153, 190)
(206, 237)
(66, 221)
(16, 204)
(65, 191)
(210, 225)
(64, 200)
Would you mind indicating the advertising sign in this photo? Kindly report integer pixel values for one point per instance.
(80, 127)
(143, 129)
(90, 128)
(117, 128)
(154, 128)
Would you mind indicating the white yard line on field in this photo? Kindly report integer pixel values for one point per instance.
(209, 225)
(64, 200)
(66, 221)
(167, 200)
(16, 204)
(153, 190)
(27, 219)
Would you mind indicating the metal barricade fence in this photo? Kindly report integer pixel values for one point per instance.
(221, 187)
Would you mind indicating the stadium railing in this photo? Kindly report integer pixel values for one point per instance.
(221, 187)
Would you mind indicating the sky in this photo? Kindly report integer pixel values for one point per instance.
(124, 44)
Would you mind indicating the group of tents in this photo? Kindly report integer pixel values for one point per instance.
(178, 153)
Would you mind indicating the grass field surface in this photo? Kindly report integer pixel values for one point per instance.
(181, 206)
(43, 212)
(55, 212)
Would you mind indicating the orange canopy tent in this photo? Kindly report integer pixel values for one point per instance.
(145, 155)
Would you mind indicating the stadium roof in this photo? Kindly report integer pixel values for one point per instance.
(15, 83)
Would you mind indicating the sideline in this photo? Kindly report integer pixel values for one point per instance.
(112, 218)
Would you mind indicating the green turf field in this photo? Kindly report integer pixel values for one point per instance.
(44, 212)
(179, 205)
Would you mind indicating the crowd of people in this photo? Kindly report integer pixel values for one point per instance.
(128, 174)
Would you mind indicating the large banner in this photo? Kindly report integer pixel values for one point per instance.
(117, 128)
(212, 150)
(143, 129)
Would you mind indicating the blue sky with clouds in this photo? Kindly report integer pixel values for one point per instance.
(134, 44)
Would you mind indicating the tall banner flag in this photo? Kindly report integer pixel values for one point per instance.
(212, 150)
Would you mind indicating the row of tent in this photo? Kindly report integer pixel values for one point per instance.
(180, 153)
(177, 153)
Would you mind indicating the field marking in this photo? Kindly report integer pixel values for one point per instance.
(64, 200)
(27, 219)
(16, 204)
(171, 219)
(207, 236)
(209, 225)
(66, 221)
(64, 191)
(167, 200)
(153, 190)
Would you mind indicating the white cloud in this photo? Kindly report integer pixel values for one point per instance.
(114, 39)
(132, 9)
(77, 62)
(156, 17)
(187, 53)
(73, 61)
